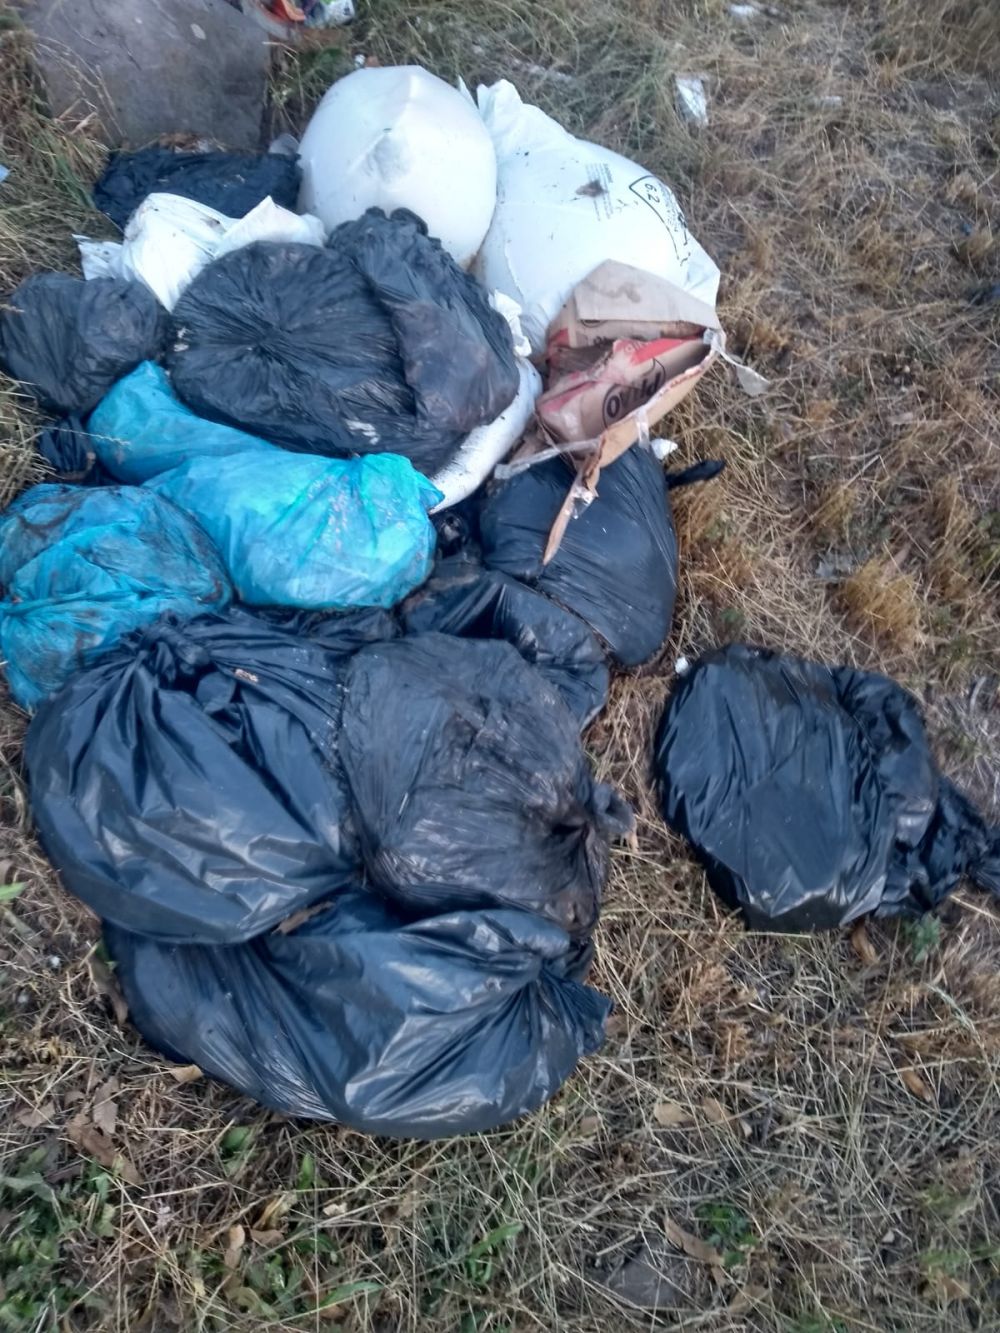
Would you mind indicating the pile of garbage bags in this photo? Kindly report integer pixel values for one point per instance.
(305, 735)
(357, 508)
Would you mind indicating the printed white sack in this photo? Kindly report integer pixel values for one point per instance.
(399, 137)
(170, 239)
(565, 206)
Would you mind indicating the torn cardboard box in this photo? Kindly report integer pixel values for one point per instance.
(626, 348)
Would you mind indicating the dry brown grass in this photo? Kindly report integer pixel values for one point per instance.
(825, 1110)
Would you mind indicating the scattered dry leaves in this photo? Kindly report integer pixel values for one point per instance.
(671, 1115)
(106, 984)
(89, 1139)
(185, 1073)
(916, 1084)
(235, 1240)
(692, 1246)
(36, 1116)
(105, 1112)
(862, 945)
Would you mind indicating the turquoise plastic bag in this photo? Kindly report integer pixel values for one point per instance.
(141, 429)
(82, 567)
(300, 530)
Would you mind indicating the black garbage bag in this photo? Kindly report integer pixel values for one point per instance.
(378, 344)
(810, 793)
(186, 786)
(69, 340)
(453, 1025)
(231, 183)
(68, 448)
(341, 632)
(616, 567)
(463, 598)
(469, 783)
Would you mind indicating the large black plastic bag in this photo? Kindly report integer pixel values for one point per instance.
(69, 340)
(469, 783)
(186, 787)
(810, 793)
(231, 183)
(463, 598)
(83, 568)
(616, 566)
(378, 344)
(452, 1025)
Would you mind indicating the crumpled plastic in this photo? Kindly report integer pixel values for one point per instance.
(232, 183)
(299, 530)
(69, 340)
(811, 795)
(464, 598)
(616, 566)
(186, 788)
(170, 239)
(83, 567)
(140, 429)
(469, 783)
(451, 1025)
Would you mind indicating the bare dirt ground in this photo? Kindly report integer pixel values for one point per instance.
(798, 1134)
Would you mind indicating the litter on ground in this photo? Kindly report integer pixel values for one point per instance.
(347, 845)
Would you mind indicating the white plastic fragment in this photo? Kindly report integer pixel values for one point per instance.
(333, 14)
(399, 137)
(750, 381)
(663, 448)
(170, 239)
(99, 259)
(744, 11)
(692, 99)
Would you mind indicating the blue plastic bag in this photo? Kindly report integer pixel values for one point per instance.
(82, 567)
(140, 428)
(300, 530)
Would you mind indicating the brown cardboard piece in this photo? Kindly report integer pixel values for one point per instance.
(626, 348)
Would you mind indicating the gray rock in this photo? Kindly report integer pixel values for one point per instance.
(657, 1278)
(154, 67)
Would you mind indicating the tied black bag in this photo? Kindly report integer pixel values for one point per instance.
(461, 597)
(185, 787)
(69, 340)
(616, 567)
(378, 343)
(811, 795)
(470, 785)
(231, 183)
(452, 1025)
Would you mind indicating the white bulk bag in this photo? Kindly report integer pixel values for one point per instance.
(565, 206)
(398, 137)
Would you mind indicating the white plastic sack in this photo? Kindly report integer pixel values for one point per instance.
(399, 137)
(170, 239)
(564, 206)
